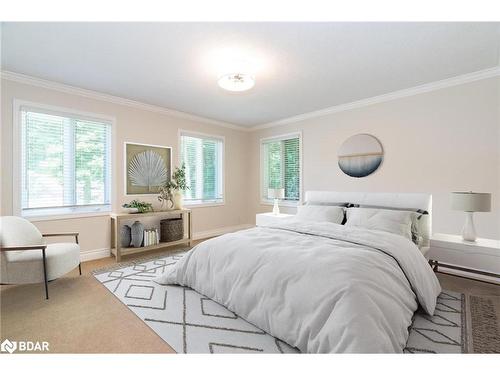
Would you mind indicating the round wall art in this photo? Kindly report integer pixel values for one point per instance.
(360, 155)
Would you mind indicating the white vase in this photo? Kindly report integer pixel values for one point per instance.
(469, 230)
(130, 210)
(178, 200)
(167, 205)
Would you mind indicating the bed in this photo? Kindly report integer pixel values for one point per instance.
(321, 286)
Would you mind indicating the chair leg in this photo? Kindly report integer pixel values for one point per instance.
(80, 268)
(45, 275)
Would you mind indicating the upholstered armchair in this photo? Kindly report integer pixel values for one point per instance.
(25, 258)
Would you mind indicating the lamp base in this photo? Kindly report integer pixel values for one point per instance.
(276, 208)
(469, 231)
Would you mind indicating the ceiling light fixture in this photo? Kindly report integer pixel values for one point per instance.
(236, 82)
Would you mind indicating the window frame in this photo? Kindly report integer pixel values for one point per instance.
(182, 132)
(17, 157)
(280, 137)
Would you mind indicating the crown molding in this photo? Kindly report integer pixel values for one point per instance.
(68, 89)
(428, 87)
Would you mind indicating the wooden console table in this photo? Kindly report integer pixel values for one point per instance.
(117, 221)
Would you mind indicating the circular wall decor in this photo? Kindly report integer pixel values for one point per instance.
(360, 155)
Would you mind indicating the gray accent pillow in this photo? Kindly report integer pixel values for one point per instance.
(392, 221)
(416, 226)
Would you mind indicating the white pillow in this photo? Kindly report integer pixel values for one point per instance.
(332, 214)
(397, 222)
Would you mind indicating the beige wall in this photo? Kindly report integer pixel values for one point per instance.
(139, 126)
(436, 142)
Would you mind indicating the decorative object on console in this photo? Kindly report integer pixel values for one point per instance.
(166, 198)
(137, 234)
(360, 155)
(147, 167)
(171, 230)
(130, 210)
(470, 202)
(125, 235)
(170, 192)
(276, 194)
(137, 207)
(151, 237)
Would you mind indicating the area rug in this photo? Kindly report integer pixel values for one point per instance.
(192, 323)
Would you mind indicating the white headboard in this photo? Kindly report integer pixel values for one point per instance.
(395, 200)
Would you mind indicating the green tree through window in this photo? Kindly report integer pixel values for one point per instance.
(65, 162)
(281, 167)
(202, 157)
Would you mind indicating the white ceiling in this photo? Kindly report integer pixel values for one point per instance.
(301, 67)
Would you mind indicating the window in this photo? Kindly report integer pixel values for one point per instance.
(65, 163)
(203, 157)
(280, 166)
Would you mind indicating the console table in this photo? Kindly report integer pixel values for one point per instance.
(117, 220)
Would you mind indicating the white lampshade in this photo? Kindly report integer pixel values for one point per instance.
(276, 193)
(471, 202)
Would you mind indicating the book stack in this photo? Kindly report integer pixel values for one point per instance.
(151, 237)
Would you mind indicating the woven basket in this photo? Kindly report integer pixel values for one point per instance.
(171, 230)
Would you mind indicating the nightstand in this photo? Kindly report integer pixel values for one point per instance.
(480, 259)
(270, 218)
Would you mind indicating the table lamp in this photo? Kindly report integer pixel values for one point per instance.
(276, 194)
(470, 202)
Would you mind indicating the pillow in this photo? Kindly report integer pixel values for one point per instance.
(332, 214)
(419, 225)
(397, 222)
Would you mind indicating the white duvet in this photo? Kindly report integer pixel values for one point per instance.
(321, 287)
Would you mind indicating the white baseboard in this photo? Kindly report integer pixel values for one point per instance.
(217, 232)
(87, 255)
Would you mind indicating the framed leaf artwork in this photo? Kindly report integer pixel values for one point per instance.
(147, 167)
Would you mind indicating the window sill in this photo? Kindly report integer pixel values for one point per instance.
(81, 215)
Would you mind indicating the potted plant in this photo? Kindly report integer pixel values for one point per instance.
(137, 206)
(171, 192)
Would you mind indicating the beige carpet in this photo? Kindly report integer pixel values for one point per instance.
(81, 316)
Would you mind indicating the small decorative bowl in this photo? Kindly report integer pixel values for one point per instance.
(130, 210)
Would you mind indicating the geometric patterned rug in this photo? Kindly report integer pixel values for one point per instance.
(445, 331)
(192, 323)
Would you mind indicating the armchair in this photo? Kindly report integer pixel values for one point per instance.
(25, 258)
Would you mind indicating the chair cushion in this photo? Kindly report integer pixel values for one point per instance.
(23, 267)
(17, 231)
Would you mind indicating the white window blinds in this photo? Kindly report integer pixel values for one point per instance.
(203, 158)
(65, 163)
(280, 163)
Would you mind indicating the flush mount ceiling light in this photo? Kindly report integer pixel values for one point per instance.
(236, 82)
